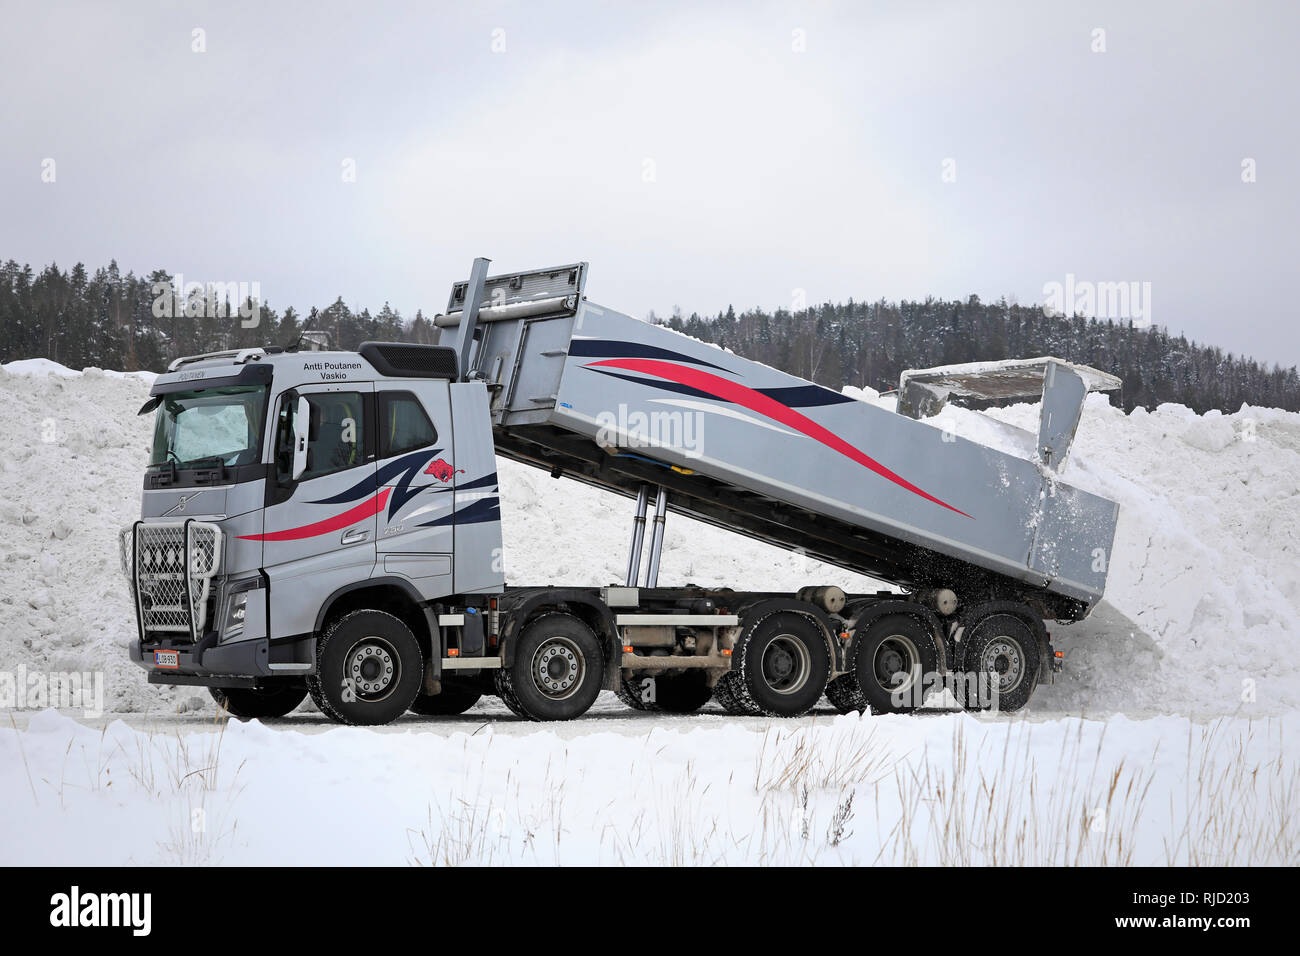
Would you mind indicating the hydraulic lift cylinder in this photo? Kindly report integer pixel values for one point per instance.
(638, 536)
(657, 538)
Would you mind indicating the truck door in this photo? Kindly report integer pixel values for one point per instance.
(319, 530)
(417, 475)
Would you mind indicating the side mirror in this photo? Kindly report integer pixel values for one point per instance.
(301, 418)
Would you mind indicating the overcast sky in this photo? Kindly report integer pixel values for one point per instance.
(696, 154)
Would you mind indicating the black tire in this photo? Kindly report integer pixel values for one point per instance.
(779, 666)
(513, 705)
(557, 671)
(845, 695)
(454, 699)
(313, 690)
(1004, 645)
(369, 669)
(726, 694)
(683, 693)
(889, 659)
(666, 693)
(252, 703)
(632, 691)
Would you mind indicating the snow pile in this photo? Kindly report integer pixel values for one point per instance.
(70, 478)
(1202, 608)
(1200, 614)
(42, 367)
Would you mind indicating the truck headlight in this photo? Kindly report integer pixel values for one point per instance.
(236, 608)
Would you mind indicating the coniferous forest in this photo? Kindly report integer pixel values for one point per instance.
(110, 320)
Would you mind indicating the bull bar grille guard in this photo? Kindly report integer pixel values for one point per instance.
(169, 566)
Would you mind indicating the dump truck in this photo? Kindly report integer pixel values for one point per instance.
(329, 523)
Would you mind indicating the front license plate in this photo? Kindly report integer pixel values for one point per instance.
(169, 659)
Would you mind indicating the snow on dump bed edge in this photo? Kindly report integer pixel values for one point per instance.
(1200, 610)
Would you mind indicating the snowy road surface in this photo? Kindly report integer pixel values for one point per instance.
(607, 715)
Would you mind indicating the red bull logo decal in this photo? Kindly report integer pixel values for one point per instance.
(443, 470)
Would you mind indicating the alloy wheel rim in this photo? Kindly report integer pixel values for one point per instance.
(1004, 660)
(895, 655)
(558, 667)
(785, 664)
(373, 668)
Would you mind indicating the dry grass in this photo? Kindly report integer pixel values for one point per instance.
(839, 794)
(182, 773)
(1236, 812)
(821, 758)
(1000, 809)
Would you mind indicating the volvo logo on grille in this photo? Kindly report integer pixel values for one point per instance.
(181, 504)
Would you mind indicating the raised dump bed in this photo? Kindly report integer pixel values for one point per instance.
(587, 392)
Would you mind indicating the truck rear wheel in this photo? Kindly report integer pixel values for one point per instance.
(635, 693)
(368, 668)
(779, 667)
(845, 695)
(669, 694)
(557, 672)
(454, 699)
(683, 693)
(251, 703)
(890, 661)
(1001, 650)
(725, 693)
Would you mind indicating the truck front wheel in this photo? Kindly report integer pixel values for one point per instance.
(557, 672)
(251, 703)
(368, 668)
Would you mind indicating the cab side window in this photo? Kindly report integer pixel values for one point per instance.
(336, 437)
(403, 424)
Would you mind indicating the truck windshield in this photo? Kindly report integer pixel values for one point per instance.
(210, 425)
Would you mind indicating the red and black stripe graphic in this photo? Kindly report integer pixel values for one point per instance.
(361, 512)
(407, 467)
(608, 348)
(793, 396)
(370, 488)
(483, 509)
(708, 385)
(476, 512)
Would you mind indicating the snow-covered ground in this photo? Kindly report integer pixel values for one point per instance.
(949, 790)
(1199, 623)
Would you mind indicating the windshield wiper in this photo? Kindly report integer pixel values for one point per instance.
(166, 473)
